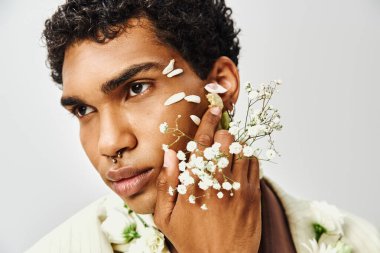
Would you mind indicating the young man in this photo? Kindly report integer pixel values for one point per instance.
(109, 58)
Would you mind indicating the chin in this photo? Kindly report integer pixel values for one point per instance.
(143, 203)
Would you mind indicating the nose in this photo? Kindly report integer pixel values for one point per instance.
(115, 134)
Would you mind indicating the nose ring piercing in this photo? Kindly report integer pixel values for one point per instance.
(118, 155)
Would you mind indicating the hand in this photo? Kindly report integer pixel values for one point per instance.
(231, 224)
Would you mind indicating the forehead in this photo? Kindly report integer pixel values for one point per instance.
(90, 62)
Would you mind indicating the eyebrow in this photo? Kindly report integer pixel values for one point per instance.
(116, 82)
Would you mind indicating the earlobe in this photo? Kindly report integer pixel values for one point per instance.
(226, 74)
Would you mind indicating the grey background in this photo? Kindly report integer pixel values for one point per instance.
(326, 52)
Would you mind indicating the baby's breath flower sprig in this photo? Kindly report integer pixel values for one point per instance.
(207, 165)
(261, 120)
(203, 165)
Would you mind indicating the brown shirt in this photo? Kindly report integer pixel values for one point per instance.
(275, 235)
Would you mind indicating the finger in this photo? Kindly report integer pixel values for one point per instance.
(225, 139)
(205, 133)
(168, 178)
(241, 167)
(253, 174)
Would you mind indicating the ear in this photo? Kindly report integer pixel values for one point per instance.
(225, 73)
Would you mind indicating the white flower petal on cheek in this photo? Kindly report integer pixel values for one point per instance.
(215, 88)
(195, 119)
(175, 98)
(169, 68)
(193, 99)
(174, 73)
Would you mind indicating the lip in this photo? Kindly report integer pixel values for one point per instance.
(128, 181)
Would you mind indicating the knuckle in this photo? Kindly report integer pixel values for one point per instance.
(212, 119)
(204, 139)
(223, 134)
(161, 183)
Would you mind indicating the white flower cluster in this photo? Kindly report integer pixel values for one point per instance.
(262, 119)
(204, 167)
(327, 222)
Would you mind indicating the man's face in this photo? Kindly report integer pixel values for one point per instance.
(119, 114)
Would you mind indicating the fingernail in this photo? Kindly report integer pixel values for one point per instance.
(166, 159)
(216, 111)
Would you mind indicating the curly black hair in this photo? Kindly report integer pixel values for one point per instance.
(200, 30)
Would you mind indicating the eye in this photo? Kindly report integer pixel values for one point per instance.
(82, 110)
(138, 88)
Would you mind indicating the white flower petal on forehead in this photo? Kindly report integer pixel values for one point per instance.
(193, 99)
(175, 98)
(195, 119)
(215, 88)
(175, 72)
(169, 68)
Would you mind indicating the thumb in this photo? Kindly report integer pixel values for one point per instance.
(166, 200)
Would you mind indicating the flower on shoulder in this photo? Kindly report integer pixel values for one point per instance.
(151, 240)
(116, 221)
(315, 247)
(327, 216)
(129, 232)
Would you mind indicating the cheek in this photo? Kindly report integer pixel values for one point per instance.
(88, 139)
